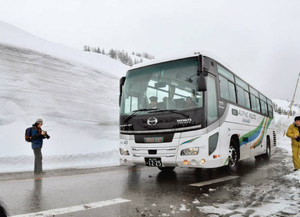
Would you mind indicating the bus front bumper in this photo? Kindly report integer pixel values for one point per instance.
(172, 161)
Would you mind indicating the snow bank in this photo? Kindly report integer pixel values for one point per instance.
(74, 92)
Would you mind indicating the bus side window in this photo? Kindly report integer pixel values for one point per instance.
(232, 96)
(227, 89)
(247, 99)
(258, 109)
(253, 102)
(263, 108)
(240, 96)
(270, 109)
(224, 88)
(212, 108)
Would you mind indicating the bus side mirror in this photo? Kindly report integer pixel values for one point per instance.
(201, 82)
(122, 81)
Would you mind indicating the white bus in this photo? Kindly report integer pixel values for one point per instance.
(192, 112)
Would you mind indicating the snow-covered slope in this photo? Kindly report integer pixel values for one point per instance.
(75, 92)
(14, 36)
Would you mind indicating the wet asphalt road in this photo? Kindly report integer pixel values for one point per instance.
(151, 192)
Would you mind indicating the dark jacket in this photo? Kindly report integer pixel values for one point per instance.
(37, 137)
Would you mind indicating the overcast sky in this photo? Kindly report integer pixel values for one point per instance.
(258, 39)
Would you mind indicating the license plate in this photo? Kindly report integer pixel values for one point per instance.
(153, 162)
(153, 139)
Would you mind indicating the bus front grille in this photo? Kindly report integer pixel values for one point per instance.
(158, 152)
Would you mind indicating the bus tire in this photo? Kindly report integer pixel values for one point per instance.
(267, 155)
(166, 169)
(233, 161)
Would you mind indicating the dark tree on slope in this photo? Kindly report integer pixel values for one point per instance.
(130, 63)
(86, 48)
(124, 58)
(147, 56)
(121, 55)
(112, 53)
(279, 110)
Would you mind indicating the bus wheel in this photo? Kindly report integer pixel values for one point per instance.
(166, 169)
(267, 155)
(233, 158)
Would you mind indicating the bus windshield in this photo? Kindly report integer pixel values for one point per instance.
(166, 86)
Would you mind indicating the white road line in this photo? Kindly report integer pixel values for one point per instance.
(223, 179)
(54, 212)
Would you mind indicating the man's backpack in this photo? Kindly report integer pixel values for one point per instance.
(28, 134)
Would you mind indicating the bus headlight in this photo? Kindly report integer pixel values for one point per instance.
(124, 151)
(189, 151)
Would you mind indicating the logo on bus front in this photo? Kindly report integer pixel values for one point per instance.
(152, 121)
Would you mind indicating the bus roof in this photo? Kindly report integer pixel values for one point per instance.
(183, 56)
(195, 54)
(153, 62)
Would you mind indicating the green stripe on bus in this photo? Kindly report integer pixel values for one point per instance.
(248, 135)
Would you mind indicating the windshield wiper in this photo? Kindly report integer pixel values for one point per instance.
(143, 110)
(170, 110)
(135, 112)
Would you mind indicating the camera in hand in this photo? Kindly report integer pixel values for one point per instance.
(298, 139)
(46, 135)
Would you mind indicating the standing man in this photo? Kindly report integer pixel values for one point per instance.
(38, 135)
(293, 132)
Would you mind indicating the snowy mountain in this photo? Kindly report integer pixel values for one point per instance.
(75, 92)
